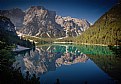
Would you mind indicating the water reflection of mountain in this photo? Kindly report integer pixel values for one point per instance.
(70, 58)
(46, 58)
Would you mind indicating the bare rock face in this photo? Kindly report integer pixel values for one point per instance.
(72, 26)
(41, 22)
(16, 15)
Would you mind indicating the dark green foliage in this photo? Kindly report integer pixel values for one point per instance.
(110, 65)
(9, 74)
(116, 50)
(8, 38)
(5, 60)
(39, 40)
(67, 39)
(106, 30)
(31, 80)
(33, 43)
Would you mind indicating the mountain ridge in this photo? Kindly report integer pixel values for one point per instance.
(106, 30)
(41, 22)
(72, 26)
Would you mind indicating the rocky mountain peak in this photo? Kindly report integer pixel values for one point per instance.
(15, 10)
(38, 11)
(72, 26)
(41, 22)
(35, 9)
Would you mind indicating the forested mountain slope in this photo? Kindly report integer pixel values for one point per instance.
(8, 36)
(106, 30)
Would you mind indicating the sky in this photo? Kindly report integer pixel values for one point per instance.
(90, 10)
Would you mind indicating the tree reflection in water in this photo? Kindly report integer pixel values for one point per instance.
(111, 63)
(47, 58)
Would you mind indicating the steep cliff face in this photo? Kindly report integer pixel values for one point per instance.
(72, 26)
(16, 15)
(38, 21)
(41, 22)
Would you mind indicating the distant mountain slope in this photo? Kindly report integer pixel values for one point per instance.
(41, 22)
(72, 26)
(8, 34)
(106, 30)
(7, 31)
(16, 15)
(6, 24)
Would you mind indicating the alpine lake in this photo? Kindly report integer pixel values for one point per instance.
(71, 64)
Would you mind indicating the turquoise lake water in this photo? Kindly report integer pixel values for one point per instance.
(71, 64)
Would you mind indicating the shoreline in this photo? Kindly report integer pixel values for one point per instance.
(20, 48)
(56, 42)
(84, 43)
(93, 44)
(81, 43)
(97, 44)
(63, 42)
